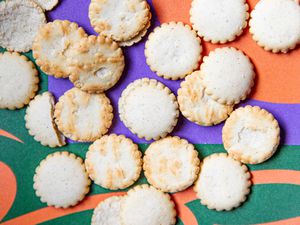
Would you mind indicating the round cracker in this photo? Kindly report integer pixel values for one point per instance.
(19, 80)
(39, 120)
(108, 212)
(173, 50)
(146, 205)
(251, 134)
(219, 21)
(82, 116)
(223, 182)
(275, 25)
(114, 162)
(61, 180)
(47, 4)
(171, 164)
(120, 20)
(140, 109)
(54, 44)
(197, 106)
(97, 64)
(17, 33)
(227, 75)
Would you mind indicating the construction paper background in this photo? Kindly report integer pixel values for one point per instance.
(274, 198)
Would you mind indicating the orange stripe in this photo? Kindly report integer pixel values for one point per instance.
(9, 135)
(8, 189)
(276, 177)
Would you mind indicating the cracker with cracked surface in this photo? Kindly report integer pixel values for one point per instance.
(146, 205)
(47, 4)
(97, 64)
(199, 107)
(82, 116)
(223, 183)
(171, 164)
(39, 120)
(251, 134)
(18, 80)
(227, 75)
(61, 180)
(140, 109)
(114, 162)
(120, 20)
(173, 50)
(108, 212)
(54, 44)
(219, 21)
(275, 25)
(17, 33)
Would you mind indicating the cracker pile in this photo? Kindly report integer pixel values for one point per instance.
(207, 96)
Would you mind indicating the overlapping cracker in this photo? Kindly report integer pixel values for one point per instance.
(82, 116)
(47, 4)
(227, 75)
(119, 20)
(19, 80)
(54, 44)
(97, 64)
(140, 109)
(61, 180)
(39, 120)
(199, 107)
(251, 135)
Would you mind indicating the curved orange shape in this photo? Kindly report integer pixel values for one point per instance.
(9, 135)
(278, 77)
(8, 189)
(184, 213)
(49, 213)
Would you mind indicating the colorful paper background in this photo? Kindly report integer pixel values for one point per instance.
(276, 191)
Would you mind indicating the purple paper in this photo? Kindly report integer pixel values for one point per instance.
(136, 67)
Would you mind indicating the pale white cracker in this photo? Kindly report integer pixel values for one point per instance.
(120, 20)
(82, 116)
(18, 80)
(20, 21)
(114, 162)
(173, 50)
(54, 44)
(227, 75)
(108, 212)
(61, 180)
(223, 182)
(149, 109)
(97, 64)
(275, 24)
(251, 134)
(47, 4)
(146, 205)
(39, 120)
(199, 107)
(219, 21)
(171, 164)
